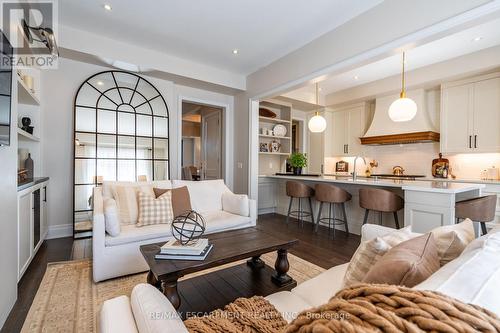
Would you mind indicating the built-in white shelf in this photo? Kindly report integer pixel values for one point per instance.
(24, 94)
(271, 153)
(25, 135)
(274, 136)
(274, 120)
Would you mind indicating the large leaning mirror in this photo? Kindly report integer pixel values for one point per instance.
(120, 133)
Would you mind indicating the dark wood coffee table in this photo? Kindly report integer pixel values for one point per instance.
(229, 246)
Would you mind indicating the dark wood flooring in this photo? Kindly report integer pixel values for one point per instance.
(219, 287)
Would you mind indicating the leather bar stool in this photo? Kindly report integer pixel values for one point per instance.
(480, 210)
(380, 201)
(300, 191)
(332, 195)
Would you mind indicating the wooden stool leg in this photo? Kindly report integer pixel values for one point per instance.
(319, 216)
(289, 209)
(311, 210)
(483, 228)
(366, 216)
(396, 219)
(345, 219)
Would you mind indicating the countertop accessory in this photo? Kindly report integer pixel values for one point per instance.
(279, 130)
(298, 161)
(440, 167)
(263, 147)
(492, 173)
(29, 165)
(188, 227)
(398, 170)
(263, 112)
(341, 166)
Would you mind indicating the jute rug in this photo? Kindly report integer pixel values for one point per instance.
(69, 301)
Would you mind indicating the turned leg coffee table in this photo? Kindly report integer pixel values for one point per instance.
(228, 247)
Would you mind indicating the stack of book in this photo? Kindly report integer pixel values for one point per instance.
(174, 250)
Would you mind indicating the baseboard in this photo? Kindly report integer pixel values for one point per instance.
(60, 231)
(266, 210)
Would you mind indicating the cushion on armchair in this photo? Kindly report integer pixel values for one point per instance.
(235, 203)
(206, 195)
(126, 200)
(155, 210)
(181, 201)
(111, 218)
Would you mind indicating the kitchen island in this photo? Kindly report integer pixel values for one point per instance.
(428, 204)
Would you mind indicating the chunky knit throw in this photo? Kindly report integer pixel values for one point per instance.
(358, 309)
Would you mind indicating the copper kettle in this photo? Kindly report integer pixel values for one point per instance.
(397, 170)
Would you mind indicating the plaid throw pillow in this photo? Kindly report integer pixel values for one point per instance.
(155, 211)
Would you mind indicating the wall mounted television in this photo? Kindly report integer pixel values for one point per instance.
(5, 89)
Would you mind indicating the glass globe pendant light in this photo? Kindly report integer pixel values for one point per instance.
(317, 123)
(404, 108)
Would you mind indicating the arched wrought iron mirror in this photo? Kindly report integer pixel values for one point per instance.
(120, 133)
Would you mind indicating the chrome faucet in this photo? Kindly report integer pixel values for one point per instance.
(354, 176)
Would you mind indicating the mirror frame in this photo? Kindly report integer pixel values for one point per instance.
(111, 74)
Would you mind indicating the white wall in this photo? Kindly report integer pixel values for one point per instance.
(8, 220)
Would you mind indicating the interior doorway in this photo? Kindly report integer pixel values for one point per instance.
(202, 141)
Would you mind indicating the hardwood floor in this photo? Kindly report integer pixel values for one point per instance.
(319, 248)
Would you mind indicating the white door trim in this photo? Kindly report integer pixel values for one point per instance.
(227, 136)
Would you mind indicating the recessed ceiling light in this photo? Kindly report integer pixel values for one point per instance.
(107, 7)
(235, 51)
(100, 83)
(356, 77)
(477, 39)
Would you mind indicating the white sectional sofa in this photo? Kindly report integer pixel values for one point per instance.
(473, 277)
(120, 255)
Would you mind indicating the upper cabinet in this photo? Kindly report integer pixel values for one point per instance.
(345, 127)
(470, 115)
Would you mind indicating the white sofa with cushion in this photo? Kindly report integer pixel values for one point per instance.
(473, 277)
(120, 255)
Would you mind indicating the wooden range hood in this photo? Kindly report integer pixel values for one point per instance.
(403, 138)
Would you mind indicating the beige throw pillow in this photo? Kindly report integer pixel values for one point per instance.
(155, 210)
(126, 201)
(369, 252)
(407, 264)
(451, 240)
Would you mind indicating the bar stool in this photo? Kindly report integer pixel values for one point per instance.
(480, 210)
(332, 195)
(300, 191)
(380, 201)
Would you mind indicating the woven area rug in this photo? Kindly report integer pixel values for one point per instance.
(69, 301)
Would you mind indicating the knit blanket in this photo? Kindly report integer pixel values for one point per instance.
(358, 309)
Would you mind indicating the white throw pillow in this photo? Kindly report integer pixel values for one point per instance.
(206, 195)
(235, 203)
(112, 221)
(126, 200)
(452, 239)
(473, 277)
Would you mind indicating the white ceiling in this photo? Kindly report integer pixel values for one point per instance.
(449, 47)
(208, 30)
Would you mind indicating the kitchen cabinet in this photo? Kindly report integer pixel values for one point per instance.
(32, 224)
(344, 128)
(470, 115)
(267, 195)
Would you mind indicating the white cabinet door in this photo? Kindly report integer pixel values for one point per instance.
(25, 208)
(267, 194)
(456, 119)
(487, 116)
(339, 134)
(356, 129)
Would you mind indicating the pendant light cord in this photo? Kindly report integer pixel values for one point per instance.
(317, 98)
(403, 92)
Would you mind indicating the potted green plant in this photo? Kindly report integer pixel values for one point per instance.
(297, 162)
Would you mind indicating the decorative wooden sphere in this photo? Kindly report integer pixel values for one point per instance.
(188, 227)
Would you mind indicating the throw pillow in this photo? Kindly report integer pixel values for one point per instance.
(155, 210)
(406, 264)
(369, 252)
(451, 240)
(126, 201)
(111, 219)
(181, 202)
(236, 203)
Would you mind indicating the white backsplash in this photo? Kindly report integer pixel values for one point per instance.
(417, 159)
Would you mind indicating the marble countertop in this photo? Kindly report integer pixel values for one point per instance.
(407, 185)
(31, 182)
